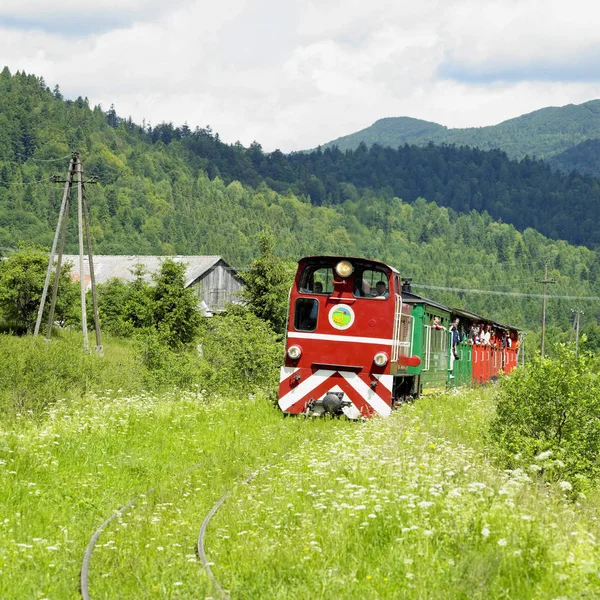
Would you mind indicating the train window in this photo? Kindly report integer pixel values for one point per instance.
(317, 280)
(305, 314)
(371, 283)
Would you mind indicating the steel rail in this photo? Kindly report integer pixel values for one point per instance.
(85, 567)
(200, 545)
(90, 547)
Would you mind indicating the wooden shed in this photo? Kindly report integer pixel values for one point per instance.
(216, 283)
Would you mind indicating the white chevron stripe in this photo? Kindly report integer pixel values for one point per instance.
(303, 388)
(367, 393)
(386, 380)
(328, 337)
(286, 372)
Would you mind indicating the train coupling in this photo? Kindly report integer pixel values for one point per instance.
(332, 403)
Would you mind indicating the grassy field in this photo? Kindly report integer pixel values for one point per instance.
(407, 507)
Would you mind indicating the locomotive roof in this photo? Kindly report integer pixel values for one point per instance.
(350, 258)
(411, 297)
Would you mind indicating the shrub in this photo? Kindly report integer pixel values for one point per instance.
(21, 284)
(164, 366)
(243, 350)
(175, 307)
(168, 307)
(548, 418)
(35, 373)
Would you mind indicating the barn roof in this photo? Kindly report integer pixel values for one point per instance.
(110, 266)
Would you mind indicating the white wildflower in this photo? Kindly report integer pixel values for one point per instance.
(565, 486)
(485, 532)
(544, 455)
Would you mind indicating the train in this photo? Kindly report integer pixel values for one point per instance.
(360, 342)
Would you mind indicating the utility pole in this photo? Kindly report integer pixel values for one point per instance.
(545, 283)
(576, 329)
(75, 169)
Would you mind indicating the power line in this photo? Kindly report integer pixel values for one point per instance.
(499, 293)
(45, 180)
(49, 159)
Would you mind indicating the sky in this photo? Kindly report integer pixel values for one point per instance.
(293, 74)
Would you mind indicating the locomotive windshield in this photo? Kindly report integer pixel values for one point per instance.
(317, 280)
(371, 283)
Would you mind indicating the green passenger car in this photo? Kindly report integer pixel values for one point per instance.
(437, 368)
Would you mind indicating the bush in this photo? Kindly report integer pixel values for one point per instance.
(22, 280)
(243, 350)
(165, 367)
(35, 373)
(168, 307)
(548, 419)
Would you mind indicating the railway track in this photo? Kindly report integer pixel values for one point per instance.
(200, 547)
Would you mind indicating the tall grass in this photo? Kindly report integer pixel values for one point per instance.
(34, 373)
(407, 507)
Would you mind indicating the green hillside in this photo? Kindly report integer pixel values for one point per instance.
(542, 133)
(584, 158)
(172, 191)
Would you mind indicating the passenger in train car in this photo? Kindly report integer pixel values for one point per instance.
(472, 333)
(381, 290)
(485, 336)
(493, 337)
(455, 337)
(436, 324)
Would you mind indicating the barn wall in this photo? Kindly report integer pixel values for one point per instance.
(217, 287)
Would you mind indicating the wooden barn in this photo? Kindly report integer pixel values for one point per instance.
(216, 283)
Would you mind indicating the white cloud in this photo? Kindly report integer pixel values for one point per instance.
(296, 74)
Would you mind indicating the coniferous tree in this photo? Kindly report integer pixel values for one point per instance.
(267, 284)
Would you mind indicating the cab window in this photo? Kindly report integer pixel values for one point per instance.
(371, 283)
(317, 280)
(305, 314)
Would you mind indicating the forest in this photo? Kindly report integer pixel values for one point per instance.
(170, 190)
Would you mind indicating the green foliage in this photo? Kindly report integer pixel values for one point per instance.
(547, 418)
(267, 284)
(167, 307)
(243, 351)
(166, 367)
(35, 374)
(175, 307)
(137, 311)
(22, 277)
(112, 298)
(171, 190)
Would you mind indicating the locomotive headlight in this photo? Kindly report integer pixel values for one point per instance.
(381, 359)
(294, 352)
(344, 268)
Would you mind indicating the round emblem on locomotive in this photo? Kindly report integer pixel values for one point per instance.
(341, 317)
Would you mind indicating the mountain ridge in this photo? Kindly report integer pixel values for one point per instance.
(542, 133)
